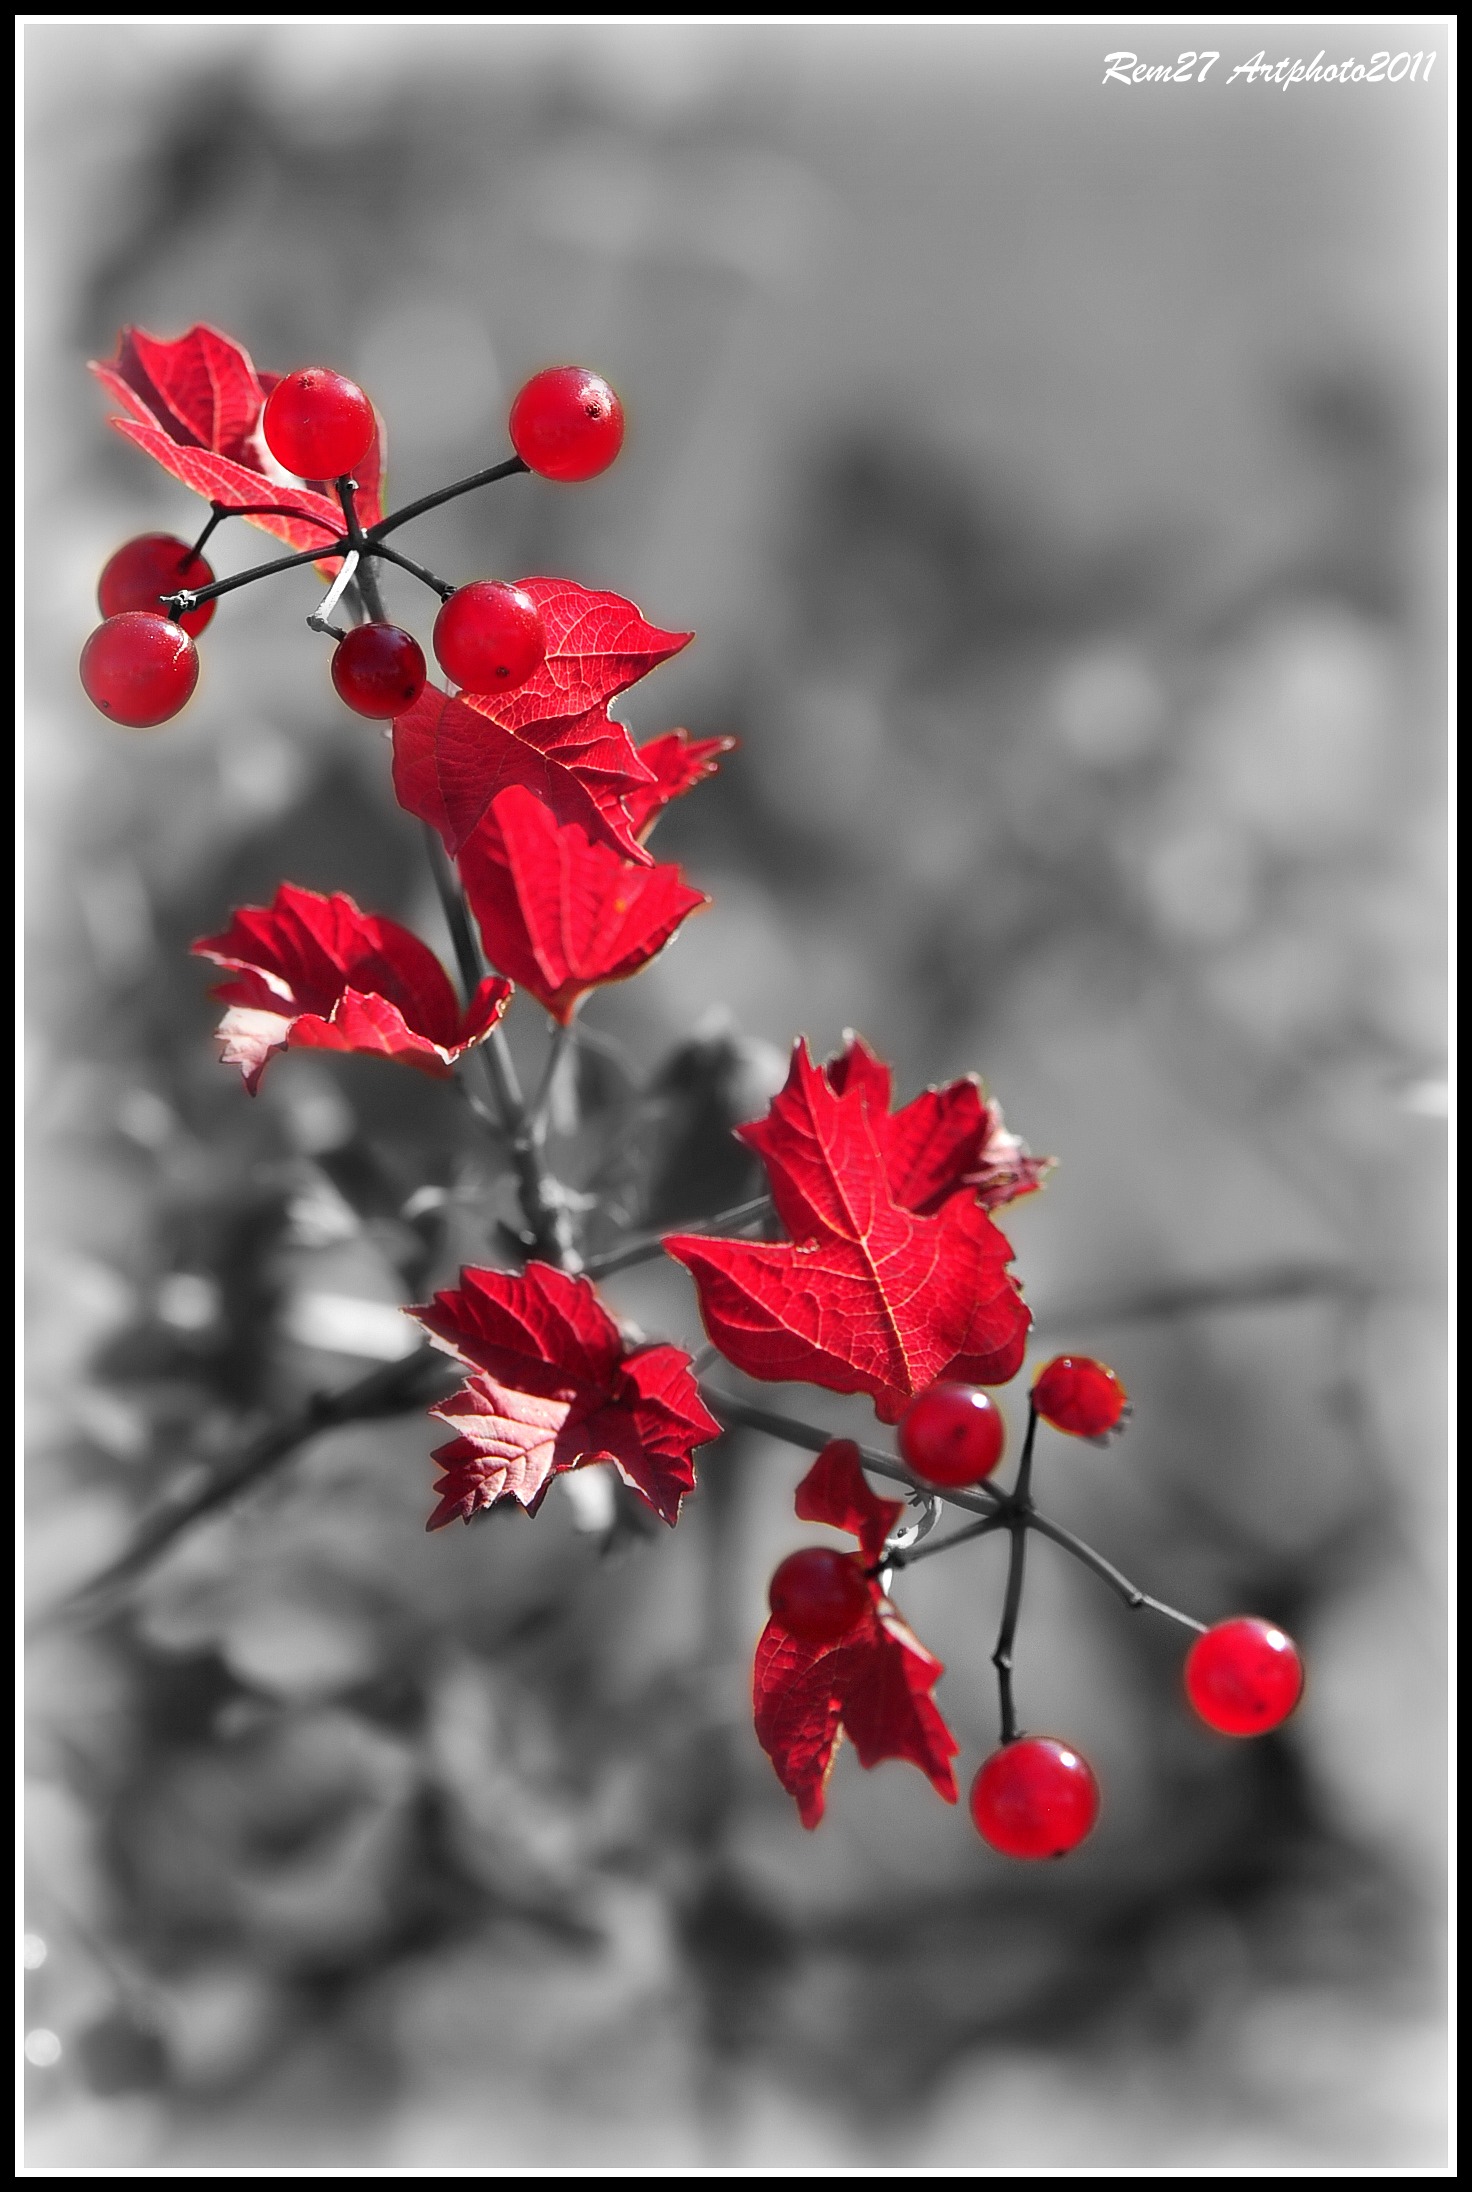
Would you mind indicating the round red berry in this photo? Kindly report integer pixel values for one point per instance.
(952, 1435)
(378, 670)
(318, 423)
(1078, 1395)
(144, 569)
(1244, 1676)
(819, 1594)
(139, 668)
(489, 637)
(567, 424)
(1034, 1798)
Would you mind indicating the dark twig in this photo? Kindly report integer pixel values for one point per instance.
(648, 1245)
(1131, 1593)
(396, 518)
(979, 1500)
(416, 570)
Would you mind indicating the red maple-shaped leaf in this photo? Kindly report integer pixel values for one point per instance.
(316, 973)
(677, 763)
(943, 1142)
(867, 1296)
(873, 1683)
(597, 645)
(555, 1386)
(560, 914)
(195, 405)
(452, 761)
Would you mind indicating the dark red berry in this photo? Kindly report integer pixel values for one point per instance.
(1244, 1676)
(139, 669)
(1076, 1394)
(489, 637)
(152, 565)
(819, 1594)
(952, 1435)
(318, 423)
(567, 424)
(378, 670)
(1034, 1798)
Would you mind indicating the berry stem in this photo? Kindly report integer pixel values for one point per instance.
(217, 513)
(396, 518)
(1017, 1523)
(981, 1499)
(440, 586)
(194, 597)
(907, 1558)
(1131, 1593)
(648, 1245)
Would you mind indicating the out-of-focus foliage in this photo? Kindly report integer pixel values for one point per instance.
(1054, 486)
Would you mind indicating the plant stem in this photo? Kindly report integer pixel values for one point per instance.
(908, 1558)
(192, 597)
(1131, 1593)
(648, 1245)
(537, 1109)
(416, 570)
(1011, 1605)
(392, 1389)
(980, 1500)
(396, 518)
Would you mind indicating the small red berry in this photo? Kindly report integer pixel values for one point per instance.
(819, 1594)
(567, 424)
(139, 668)
(1034, 1798)
(152, 565)
(378, 670)
(318, 423)
(952, 1435)
(489, 637)
(1078, 1395)
(1244, 1676)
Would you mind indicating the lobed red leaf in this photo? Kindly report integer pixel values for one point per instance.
(945, 1141)
(867, 1296)
(559, 913)
(677, 762)
(314, 972)
(555, 1386)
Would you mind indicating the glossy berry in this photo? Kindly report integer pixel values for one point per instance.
(1078, 1395)
(1244, 1676)
(378, 670)
(139, 669)
(1034, 1798)
(952, 1435)
(567, 424)
(318, 423)
(818, 1594)
(152, 565)
(489, 637)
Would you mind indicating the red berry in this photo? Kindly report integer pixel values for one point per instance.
(152, 565)
(489, 637)
(318, 423)
(1244, 1676)
(378, 669)
(1034, 1798)
(567, 424)
(818, 1594)
(952, 1435)
(1078, 1395)
(139, 668)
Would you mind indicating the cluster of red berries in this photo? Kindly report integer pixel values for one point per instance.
(141, 666)
(1036, 1796)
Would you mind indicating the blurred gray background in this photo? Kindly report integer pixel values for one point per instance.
(1053, 474)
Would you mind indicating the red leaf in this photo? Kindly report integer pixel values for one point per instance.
(559, 913)
(451, 761)
(555, 1386)
(316, 973)
(195, 405)
(867, 1297)
(872, 1684)
(678, 763)
(597, 645)
(836, 1491)
(946, 1140)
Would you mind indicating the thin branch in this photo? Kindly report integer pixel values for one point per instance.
(456, 913)
(416, 570)
(649, 1245)
(392, 1389)
(908, 1558)
(556, 1052)
(192, 597)
(396, 518)
(1131, 1593)
(1190, 1297)
(1006, 1634)
(981, 1499)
